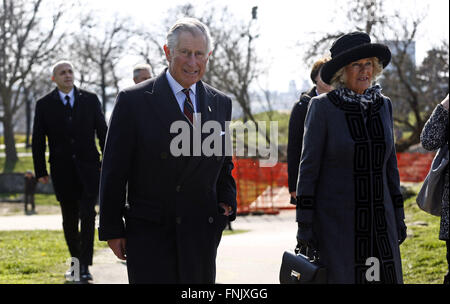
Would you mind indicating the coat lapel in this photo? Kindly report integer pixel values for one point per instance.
(55, 97)
(205, 102)
(163, 102)
(78, 96)
(77, 104)
(57, 104)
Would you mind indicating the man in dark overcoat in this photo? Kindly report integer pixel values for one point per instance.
(178, 204)
(70, 118)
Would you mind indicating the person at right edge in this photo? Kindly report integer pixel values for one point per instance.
(349, 204)
(434, 136)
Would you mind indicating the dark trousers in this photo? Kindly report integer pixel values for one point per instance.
(29, 200)
(448, 254)
(79, 241)
(447, 276)
(151, 253)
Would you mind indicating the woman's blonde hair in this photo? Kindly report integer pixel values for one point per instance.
(338, 80)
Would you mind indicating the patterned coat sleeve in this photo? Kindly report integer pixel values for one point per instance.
(314, 143)
(435, 132)
(393, 175)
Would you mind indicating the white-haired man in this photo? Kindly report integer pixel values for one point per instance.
(178, 206)
(69, 118)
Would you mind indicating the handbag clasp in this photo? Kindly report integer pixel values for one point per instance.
(296, 275)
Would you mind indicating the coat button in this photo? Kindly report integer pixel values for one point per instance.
(74, 156)
(178, 220)
(163, 155)
(211, 220)
(178, 188)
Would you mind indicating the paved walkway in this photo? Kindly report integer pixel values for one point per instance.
(253, 257)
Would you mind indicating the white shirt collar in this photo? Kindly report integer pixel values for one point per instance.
(70, 94)
(176, 87)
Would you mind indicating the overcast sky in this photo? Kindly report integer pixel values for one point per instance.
(282, 24)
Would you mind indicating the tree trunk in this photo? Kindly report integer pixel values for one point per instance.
(10, 142)
(28, 120)
(103, 84)
(403, 144)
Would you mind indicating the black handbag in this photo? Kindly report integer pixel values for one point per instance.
(302, 269)
(429, 198)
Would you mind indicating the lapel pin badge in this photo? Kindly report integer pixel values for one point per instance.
(209, 108)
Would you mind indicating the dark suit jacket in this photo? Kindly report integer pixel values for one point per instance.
(164, 189)
(295, 137)
(68, 145)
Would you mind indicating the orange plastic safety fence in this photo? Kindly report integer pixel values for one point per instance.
(265, 189)
(414, 167)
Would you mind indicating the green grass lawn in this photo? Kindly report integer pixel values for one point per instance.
(19, 138)
(423, 254)
(40, 199)
(21, 166)
(231, 232)
(45, 199)
(34, 257)
(19, 150)
(39, 257)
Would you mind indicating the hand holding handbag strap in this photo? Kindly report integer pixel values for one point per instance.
(308, 251)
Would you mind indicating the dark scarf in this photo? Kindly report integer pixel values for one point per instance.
(370, 95)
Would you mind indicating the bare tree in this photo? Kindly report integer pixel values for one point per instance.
(148, 43)
(361, 15)
(37, 84)
(98, 49)
(418, 89)
(25, 43)
(148, 48)
(234, 65)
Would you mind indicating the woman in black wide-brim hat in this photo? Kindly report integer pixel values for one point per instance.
(350, 207)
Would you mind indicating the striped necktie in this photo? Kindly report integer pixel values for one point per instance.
(188, 106)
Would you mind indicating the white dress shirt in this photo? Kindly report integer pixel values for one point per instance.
(71, 94)
(177, 90)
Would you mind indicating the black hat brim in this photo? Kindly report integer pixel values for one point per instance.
(380, 51)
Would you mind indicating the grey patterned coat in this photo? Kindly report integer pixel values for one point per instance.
(434, 136)
(349, 187)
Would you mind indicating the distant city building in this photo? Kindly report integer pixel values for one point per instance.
(306, 86)
(293, 88)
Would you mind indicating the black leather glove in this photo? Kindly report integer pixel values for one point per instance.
(305, 237)
(293, 201)
(401, 226)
